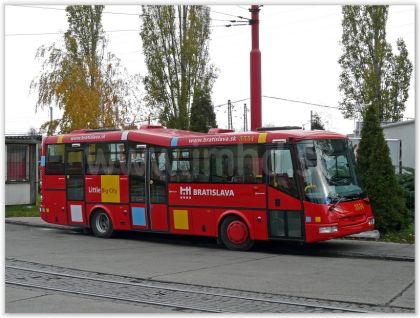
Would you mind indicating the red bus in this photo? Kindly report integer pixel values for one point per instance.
(237, 187)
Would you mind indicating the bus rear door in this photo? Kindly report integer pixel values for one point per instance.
(75, 184)
(148, 188)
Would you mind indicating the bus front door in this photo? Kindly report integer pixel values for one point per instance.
(75, 184)
(147, 187)
(285, 211)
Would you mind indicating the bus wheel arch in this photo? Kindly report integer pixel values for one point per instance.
(101, 223)
(235, 231)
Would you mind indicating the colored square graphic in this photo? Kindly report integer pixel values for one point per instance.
(110, 189)
(308, 219)
(181, 220)
(317, 219)
(174, 141)
(76, 213)
(139, 216)
(262, 137)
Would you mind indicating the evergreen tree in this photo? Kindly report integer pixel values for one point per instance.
(377, 175)
(202, 113)
(316, 122)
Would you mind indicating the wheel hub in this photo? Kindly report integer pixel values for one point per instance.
(237, 232)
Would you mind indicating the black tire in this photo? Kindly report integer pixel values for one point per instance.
(235, 235)
(101, 224)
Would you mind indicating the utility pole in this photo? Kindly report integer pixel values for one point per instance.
(245, 118)
(312, 118)
(255, 64)
(230, 124)
(51, 120)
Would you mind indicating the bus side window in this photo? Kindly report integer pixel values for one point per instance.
(55, 160)
(137, 171)
(237, 164)
(281, 171)
(106, 159)
(200, 165)
(158, 166)
(181, 165)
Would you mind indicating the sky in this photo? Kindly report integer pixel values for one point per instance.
(299, 51)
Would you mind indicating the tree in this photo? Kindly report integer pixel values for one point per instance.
(316, 122)
(80, 77)
(175, 45)
(202, 113)
(377, 174)
(364, 45)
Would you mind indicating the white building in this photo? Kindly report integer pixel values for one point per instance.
(406, 132)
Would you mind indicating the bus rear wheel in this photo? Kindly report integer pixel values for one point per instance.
(101, 224)
(235, 235)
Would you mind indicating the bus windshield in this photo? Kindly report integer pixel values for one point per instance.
(328, 168)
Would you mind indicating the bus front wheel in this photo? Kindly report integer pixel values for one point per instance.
(101, 224)
(235, 235)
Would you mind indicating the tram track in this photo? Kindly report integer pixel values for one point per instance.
(182, 297)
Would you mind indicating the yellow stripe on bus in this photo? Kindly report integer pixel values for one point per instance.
(60, 139)
(262, 137)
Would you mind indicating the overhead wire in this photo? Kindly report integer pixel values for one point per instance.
(62, 9)
(300, 102)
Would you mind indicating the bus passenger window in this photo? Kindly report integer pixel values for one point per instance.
(137, 174)
(106, 159)
(158, 164)
(181, 165)
(237, 164)
(55, 160)
(281, 171)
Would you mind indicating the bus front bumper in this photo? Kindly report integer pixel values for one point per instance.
(322, 232)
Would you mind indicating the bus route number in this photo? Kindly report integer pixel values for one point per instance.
(246, 138)
(359, 207)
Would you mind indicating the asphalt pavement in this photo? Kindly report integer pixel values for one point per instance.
(364, 245)
(354, 271)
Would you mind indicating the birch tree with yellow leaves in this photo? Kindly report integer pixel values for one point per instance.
(80, 77)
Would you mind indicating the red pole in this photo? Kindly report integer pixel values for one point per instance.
(255, 62)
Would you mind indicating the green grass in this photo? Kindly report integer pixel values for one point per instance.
(404, 236)
(23, 210)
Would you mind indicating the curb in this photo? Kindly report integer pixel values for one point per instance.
(45, 225)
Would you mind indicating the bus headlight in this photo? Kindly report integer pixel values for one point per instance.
(371, 221)
(328, 229)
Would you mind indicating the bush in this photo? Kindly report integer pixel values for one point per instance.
(407, 182)
(378, 176)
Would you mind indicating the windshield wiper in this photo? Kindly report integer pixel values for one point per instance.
(340, 199)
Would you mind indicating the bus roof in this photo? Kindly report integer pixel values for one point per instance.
(166, 137)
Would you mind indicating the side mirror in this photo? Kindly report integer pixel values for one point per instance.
(310, 157)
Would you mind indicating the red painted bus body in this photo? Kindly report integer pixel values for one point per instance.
(276, 185)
